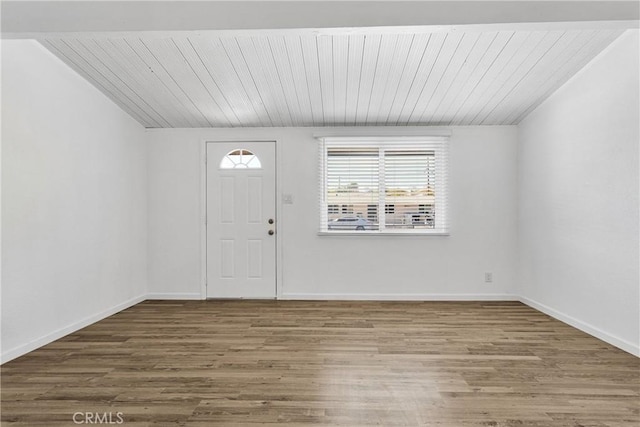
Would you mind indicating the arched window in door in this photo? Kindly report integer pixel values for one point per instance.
(240, 159)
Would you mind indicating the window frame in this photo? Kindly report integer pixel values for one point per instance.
(438, 144)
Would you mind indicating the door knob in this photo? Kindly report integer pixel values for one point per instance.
(271, 232)
(270, 221)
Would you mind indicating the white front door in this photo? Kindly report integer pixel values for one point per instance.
(241, 209)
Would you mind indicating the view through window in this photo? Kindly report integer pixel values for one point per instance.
(388, 186)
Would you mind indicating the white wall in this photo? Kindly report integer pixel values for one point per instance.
(74, 223)
(578, 199)
(483, 228)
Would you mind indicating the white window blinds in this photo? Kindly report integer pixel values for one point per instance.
(390, 185)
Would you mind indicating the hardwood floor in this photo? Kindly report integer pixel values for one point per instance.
(231, 363)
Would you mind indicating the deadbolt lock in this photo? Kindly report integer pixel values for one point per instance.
(270, 221)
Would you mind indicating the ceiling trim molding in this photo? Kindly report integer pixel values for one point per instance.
(28, 19)
(421, 29)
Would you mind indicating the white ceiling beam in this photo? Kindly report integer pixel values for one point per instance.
(35, 19)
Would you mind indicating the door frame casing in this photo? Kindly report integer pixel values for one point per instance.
(203, 210)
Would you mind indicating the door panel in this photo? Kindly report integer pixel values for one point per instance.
(241, 254)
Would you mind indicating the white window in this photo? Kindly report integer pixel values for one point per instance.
(240, 159)
(384, 185)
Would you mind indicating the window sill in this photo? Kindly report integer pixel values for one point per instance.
(385, 233)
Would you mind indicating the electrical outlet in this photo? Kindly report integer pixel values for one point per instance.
(488, 277)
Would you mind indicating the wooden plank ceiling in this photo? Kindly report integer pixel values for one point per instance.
(302, 78)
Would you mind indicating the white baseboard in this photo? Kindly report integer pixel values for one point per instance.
(584, 327)
(55, 335)
(174, 296)
(399, 297)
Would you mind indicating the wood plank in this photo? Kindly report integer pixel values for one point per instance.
(456, 68)
(391, 46)
(99, 76)
(481, 54)
(271, 76)
(225, 111)
(386, 56)
(324, 52)
(340, 76)
(201, 363)
(522, 68)
(299, 78)
(166, 82)
(233, 52)
(546, 68)
(446, 57)
(181, 65)
(289, 71)
(381, 107)
(256, 53)
(421, 77)
(250, 111)
(354, 71)
(488, 83)
(575, 58)
(135, 72)
(119, 77)
(367, 76)
(309, 48)
(415, 57)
